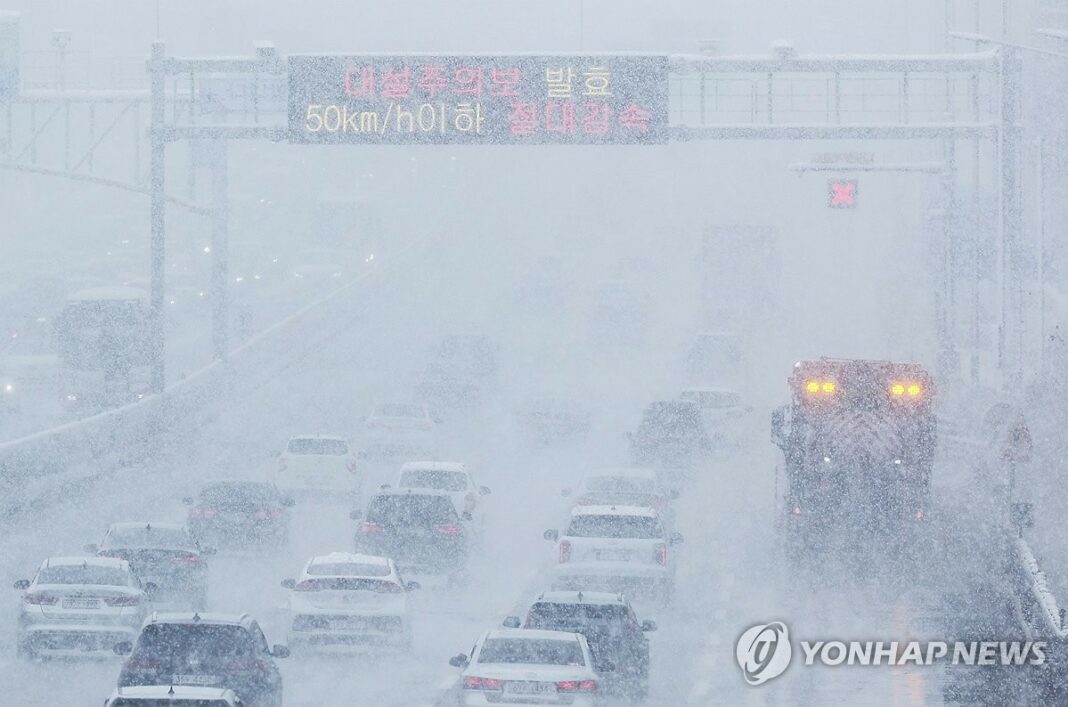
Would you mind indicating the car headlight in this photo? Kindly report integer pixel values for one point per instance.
(9, 387)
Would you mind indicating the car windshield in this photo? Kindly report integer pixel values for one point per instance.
(433, 479)
(615, 526)
(315, 445)
(411, 510)
(672, 419)
(621, 484)
(208, 640)
(554, 616)
(83, 574)
(536, 651)
(149, 537)
(238, 495)
(399, 410)
(348, 569)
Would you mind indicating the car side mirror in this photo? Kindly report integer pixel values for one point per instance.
(288, 502)
(355, 515)
(565, 492)
(383, 487)
(438, 421)
(151, 589)
(289, 584)
(466, 515)
(484, 490)
(629, 436)
(362, 454)
(552, 535)
(458, 661)
(278, 651)
(511, 622)
(648, 626)
(188, 500)
(22, 584)
(412, 586)
(91, 548)
(674, 538)
(123, 648)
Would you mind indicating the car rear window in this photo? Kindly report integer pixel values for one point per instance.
(552, 616)
(411, 510)
(433, 479)
(209, 640)
(238, 495)
(348, 569)
(620, 484)
(348, 584)
(535, 651)
(83, 574)
(312, 445)
(149, 538)
(615, 526)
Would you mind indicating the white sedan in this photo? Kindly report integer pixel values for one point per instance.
(348, 600)
(451, 477)
(615, 548)
(528, 667)
(395, 429)
(177, 695)
(80, 606)
(319, 464)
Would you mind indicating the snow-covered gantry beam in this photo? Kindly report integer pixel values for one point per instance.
(832, 63)
(832, 132)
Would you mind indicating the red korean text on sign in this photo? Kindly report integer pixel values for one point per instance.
(469, 81)
(504, 82)
(360, 81)
(432, 79)
(596, 119)
(396, 84)
(635, 118)
(523, 119)
(560, 117)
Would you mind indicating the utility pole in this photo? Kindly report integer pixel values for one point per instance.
(220, 310)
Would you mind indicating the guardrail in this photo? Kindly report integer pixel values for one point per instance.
(1036, 606)
(47, 463)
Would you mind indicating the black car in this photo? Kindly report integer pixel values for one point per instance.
(239, 514)
(671, 434)
(212, 650)
(608, 622)
(418, 528)
(165, 554)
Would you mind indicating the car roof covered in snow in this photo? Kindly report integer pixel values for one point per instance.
(91, 560)
(412, 492)
(636, 472)
(349, 558)
(433, 466)
(531, 634)
(174, 692)
(579, 597)
(147, 525)
(644, 511)
(196, 617)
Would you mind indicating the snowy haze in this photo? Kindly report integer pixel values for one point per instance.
(519, 244)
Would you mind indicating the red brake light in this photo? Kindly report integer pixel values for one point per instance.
(587, 686)
(40, 599)
(369, 528)
(351, 466)
(472, 682)
(661, 554)
(389, 588)
(308, 585)
(577, 686)
(188, 559)
(202, 512)
(122, 600)
(268, 514)
(565, 551)
(448, 529)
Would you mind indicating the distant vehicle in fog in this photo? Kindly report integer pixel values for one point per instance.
(671, 435)
(79, 607)
(714, 359)
(447, 388)
(528, 667)
(620, 315)
(626, 486)
(473, 355)
(319, 464)
(223, 651)
(239, 515)
(615, 549)
(419, 529)
(611, 628)
(165, 554)
(723, 412)
(173, 696)
(395, 429)
(451, 477)
(345, 600)
(549, 421)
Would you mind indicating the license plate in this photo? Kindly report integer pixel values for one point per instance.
(79, 603)
(195, 679)
(530, 688)
(613, 555)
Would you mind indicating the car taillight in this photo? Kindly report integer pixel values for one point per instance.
(565, 551)
(268, 514)
(369, 528)
(577, 686)
(307, 585)
(187, 559)
(472, 682)
(389, 588)
(202, 512)
(448, 529)
(351, 466)
(40, 599)
(661, 554)
(122, 601)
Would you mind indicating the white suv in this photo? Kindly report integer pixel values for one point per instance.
(319, 464)
(615, 548)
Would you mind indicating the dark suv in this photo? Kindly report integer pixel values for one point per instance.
(671, 434)
(418, 528)
(213, 650)
(611, 628)
(239, 514)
